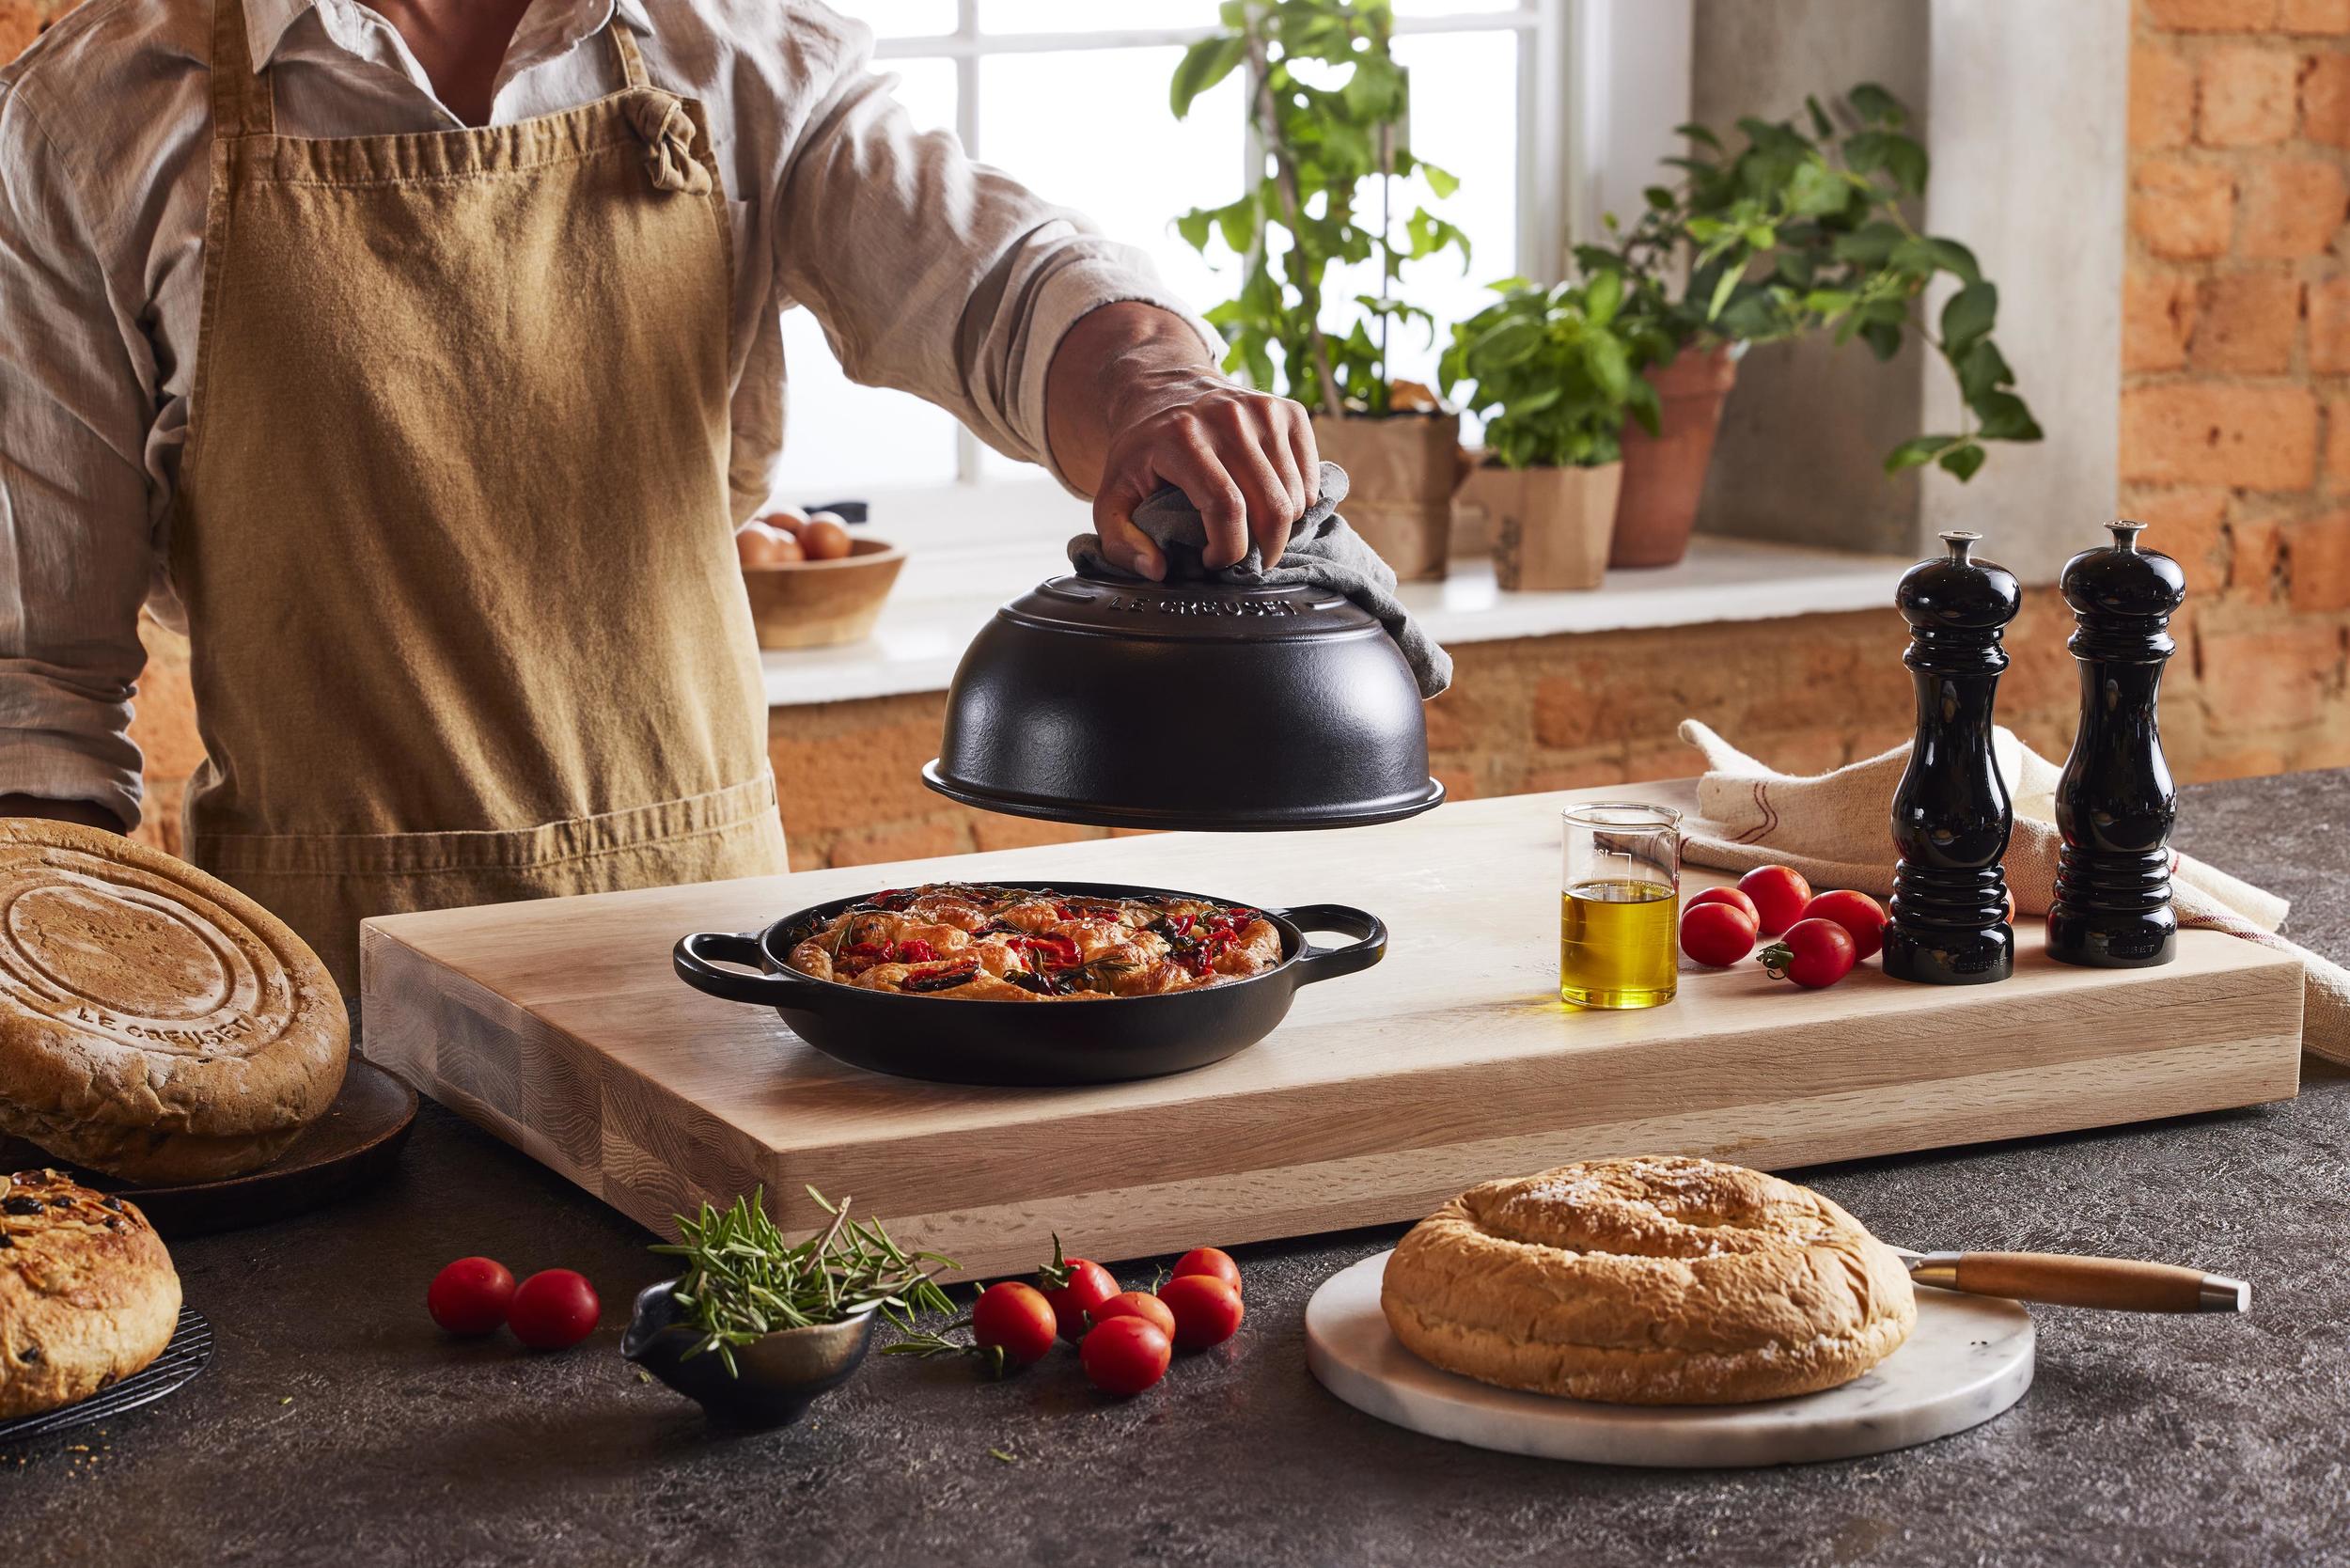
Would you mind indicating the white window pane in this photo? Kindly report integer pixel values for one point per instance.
(839, 437)
(1092, 16)
(1091, 131)
(902, 18)
(1459, 7)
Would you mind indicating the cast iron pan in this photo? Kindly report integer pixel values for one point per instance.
(972, 1042)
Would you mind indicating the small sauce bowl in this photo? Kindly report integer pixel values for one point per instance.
(780, 1374)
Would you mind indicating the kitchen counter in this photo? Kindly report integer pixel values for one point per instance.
(336, 1424)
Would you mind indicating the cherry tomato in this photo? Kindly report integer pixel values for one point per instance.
(1016, 1319)
(553, 1309)
(1717, 935)
(1137, 1304)
(470, 1295)
(1074, 1286)
(1730, 896)
(1125, 1356)
(1207, 1308)
(1813, 953)
(1862, 918)
(1779, 893)
(1210, 1261)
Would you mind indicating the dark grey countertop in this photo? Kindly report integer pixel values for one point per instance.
(337, 1425)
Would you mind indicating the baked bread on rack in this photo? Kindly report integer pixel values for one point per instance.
(87, 1292)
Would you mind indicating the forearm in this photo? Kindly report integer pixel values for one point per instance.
(1116, 361)
(87, 813)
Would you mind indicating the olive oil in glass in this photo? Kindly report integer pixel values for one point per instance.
(1620, 906)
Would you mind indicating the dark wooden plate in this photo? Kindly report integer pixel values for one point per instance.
(351, 1147)
(189, 1353)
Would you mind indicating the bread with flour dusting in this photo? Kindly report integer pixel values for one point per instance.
(1656, 1280)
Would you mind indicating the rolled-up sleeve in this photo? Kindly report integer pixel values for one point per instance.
(76, 544)
(930, 273)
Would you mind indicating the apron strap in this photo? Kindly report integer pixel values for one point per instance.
(244, 103)
(624, 50)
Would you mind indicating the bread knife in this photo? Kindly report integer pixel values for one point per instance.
(2120, 1284)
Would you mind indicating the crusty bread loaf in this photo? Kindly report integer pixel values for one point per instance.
(1648, 1282)
(87, 1293)
(155, 1024)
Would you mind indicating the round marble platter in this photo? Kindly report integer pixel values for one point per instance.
(1970, 1358)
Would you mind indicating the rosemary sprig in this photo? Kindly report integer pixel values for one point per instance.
(743, 1280)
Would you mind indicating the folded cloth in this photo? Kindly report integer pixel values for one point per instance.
(1323, 552)
(1834, 828)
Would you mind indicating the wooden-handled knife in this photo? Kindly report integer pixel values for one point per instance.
(2121, 1284)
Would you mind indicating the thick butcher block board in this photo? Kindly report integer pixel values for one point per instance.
(560, 1026)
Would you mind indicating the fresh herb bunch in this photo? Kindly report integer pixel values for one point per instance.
(1553, 376)
(743, 1280)
(1329, 106)
(1799, 231)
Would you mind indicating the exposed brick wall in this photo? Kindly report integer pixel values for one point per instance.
(2236, 408)
(2235, 447)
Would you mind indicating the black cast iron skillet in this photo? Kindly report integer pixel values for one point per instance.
(954, 1040)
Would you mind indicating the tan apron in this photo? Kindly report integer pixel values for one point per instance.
(453, 532)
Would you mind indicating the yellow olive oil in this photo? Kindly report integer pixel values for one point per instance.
(1619, 942)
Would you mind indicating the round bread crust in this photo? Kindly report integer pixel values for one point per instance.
(155, 1024)
(87, 1292)
(1648, 1282)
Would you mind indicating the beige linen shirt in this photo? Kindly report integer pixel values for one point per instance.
(929, 273)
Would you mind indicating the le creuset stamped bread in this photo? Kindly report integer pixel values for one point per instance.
(155, 1024)
(1662, 1280)
(87, 1292)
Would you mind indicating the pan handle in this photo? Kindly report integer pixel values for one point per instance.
(1321, 963)
(698, 957)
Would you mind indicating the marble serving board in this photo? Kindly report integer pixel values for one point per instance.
(1969, 1359)
(561, 1026)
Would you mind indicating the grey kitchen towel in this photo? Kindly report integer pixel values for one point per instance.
(1323, 552)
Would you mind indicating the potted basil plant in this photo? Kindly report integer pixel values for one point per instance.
(1553, 381)
(1802, 229)
(1329, 106)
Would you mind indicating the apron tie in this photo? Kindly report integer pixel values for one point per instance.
(668, 132)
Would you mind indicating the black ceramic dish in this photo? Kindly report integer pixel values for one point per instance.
(969, 1041)
(1196, 705)
(779, 1375)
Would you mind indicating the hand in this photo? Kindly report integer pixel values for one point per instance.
(1134, 404)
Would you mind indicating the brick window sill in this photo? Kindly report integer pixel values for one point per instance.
(1008, 538)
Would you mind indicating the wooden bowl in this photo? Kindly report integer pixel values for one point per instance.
(811, 604)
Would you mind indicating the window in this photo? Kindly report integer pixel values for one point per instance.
(1486, 84)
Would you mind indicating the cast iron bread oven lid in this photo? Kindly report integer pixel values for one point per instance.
(1201, 705)
(155, 1024)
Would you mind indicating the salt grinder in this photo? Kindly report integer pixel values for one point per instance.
(1951, 814)
(2115, 801)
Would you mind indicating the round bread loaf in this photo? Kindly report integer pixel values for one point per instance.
(1648, 1282)
(155, 1024)
(87, 1293)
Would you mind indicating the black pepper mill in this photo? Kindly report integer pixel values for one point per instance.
(2115, 802)
(1951, 814)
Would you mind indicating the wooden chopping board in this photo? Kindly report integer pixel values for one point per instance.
(560, 1026)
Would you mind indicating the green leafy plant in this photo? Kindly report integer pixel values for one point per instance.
(743, 1280)
(1553, 377)
(1328, 105)
(1801, 229)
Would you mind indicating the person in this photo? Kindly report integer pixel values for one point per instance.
(420, 359)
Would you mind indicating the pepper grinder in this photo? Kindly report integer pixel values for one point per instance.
(2115, 801)
(1951, 814)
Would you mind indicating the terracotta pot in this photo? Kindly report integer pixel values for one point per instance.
(1664, 473)
(1551, 528)
(1401, 473)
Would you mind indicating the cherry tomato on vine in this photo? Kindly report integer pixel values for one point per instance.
(1213, 1261)
(1207, 1309)
(1779, 893)
(553, 1309)
(1016, 1319)
(1730, 896)
(1137, 1304)
(470, 1295)
(1125, 1356)
(1074, 1287)
(1718, 935)
(1813, 953)
(1862, 918)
